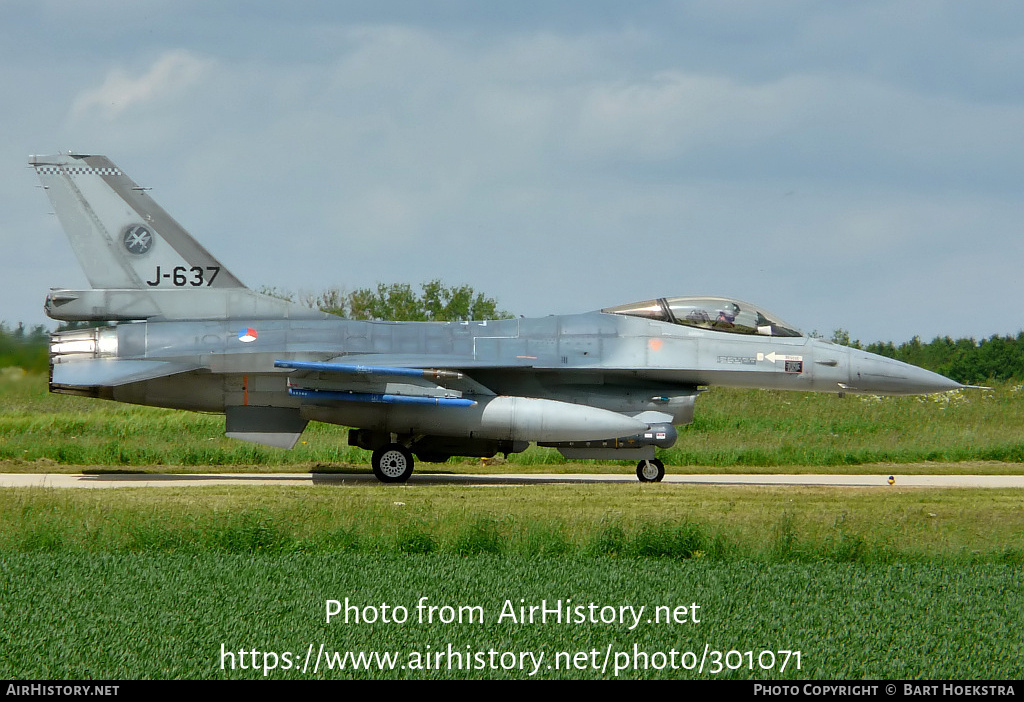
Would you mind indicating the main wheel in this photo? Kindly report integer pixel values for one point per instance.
(392, 463)
(651, 471)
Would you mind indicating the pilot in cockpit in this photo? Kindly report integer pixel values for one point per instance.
(727, 316)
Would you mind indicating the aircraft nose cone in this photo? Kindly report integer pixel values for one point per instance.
(871, 373)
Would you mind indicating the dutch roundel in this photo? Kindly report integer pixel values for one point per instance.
(247, 335)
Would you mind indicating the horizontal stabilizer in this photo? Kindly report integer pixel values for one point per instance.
(171, 304)
(94, 372)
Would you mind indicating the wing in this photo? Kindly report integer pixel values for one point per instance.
(395, 384)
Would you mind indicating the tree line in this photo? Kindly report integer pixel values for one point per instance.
(24, 348)
(435, 302)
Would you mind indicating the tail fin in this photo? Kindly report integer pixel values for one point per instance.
(140, 262)
(118, 233)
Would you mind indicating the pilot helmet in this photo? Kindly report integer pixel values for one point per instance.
(729, 312)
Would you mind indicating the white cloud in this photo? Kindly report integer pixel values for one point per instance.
(165, 81)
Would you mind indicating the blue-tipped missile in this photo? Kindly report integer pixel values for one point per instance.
(352, 369)
(387, 398)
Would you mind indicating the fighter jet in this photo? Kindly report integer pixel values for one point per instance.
(613, 384)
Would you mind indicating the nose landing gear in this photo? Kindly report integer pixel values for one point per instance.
(650, 471)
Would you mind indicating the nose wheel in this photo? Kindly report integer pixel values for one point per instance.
(650, 471)
(392, 463)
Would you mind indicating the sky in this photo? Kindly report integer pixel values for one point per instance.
(853, 166)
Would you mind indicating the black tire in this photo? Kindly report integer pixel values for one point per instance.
(651, 471)
(392, 463)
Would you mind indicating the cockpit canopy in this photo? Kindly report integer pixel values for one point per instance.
(717, 313)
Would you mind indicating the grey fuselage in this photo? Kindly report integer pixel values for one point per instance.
(615, 362)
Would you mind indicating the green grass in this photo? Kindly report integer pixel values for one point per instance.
(734, 430)
(160, 615)
(158, 583)
(876, 583)
(877, 525)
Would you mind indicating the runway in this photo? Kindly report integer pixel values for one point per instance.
(152, 480)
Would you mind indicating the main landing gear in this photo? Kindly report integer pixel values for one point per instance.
(650, 471)
(392, 463)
